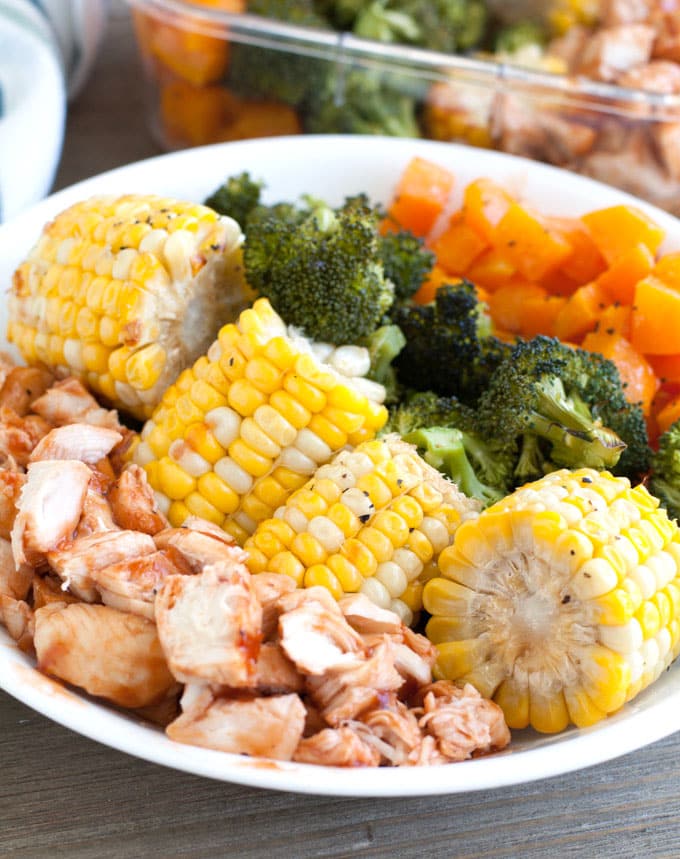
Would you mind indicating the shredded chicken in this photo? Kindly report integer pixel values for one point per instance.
(22, 386)
(199, 547)
(269, 588)
(11, 483)
(337, 747)
(109, 653)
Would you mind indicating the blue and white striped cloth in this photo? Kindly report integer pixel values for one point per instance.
(47, 48)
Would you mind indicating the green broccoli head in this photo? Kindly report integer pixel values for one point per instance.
(282, 75)
(514, 37)
(492, 460)
(571, 399)
(236, 197)
(665, 464)
(449, 26)
(384, 344)
(363, 101)
(449, 348)
(406, 261)
(320, 268)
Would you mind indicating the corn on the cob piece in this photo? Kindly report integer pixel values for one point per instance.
(373, 520)
(562, 601)
(126, 292)
(253, 419)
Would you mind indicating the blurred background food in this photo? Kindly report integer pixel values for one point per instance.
(590, 85)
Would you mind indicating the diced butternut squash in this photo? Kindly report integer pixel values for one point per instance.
(620, 279)
(638, 377)
(458, 246)
(666, 367)
(585, 262)
(532, 246)
(615, 320)
(429, 287)
(558, 283)
(261, 119)
(667, 269)
(655, 319)
(668, 415)
(507, 305)
(581, 312)
(618, 228)
(491, 269)
(485, 202)
(423, 190)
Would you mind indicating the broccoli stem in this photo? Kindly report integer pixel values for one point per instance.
(445, 449)
(565, 421)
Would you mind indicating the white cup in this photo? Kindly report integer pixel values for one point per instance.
(47, 48)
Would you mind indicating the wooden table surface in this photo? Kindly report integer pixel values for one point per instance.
(64, 796)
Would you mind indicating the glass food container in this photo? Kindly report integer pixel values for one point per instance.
(216, 75)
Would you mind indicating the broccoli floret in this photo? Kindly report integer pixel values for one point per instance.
(571, 399)
(282, 75)
(440, 25)
(384, 344)
(363, 101)
(320, 268)
(492, 460)
(515, 37)
(449, 346)
(445, 450)
(237, 197)
(665, 479)
(406, 261)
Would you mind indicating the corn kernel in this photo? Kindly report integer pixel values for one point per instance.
(320, 575)
(291, 409)
(199, 506)
(270, 491)
(218, 493)
(178, 513)
(307, 395)
(144, 367)
(173, 480)
(346, 573)
(200, 439)
(286, 564)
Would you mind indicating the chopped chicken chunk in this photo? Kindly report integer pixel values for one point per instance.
(269, 588)
(315, 635)
(275, 674)
(77, 441)
(15, 581)
(337, 747)
(108, 653)
(210, 624)
(131, 585)
(47, 590)
(49, 508)
(17, 617)
(658, 76)
(614, 13)
(23, 385)
(270, 727)
(76, 561)
(365, 616)
(133, 502)
(614, 50)
(96, 516)
(18, 437)
(199, 548)
(11, 483)
(393, 731)
(68, 402)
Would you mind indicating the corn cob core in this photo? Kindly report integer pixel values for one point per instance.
(126, 292)
(562, 601)
(253, 419)
(373, 520)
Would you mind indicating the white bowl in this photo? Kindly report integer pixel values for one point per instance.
(33, 109)
(333, 167)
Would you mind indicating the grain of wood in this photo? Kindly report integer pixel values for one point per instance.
(62, 795)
